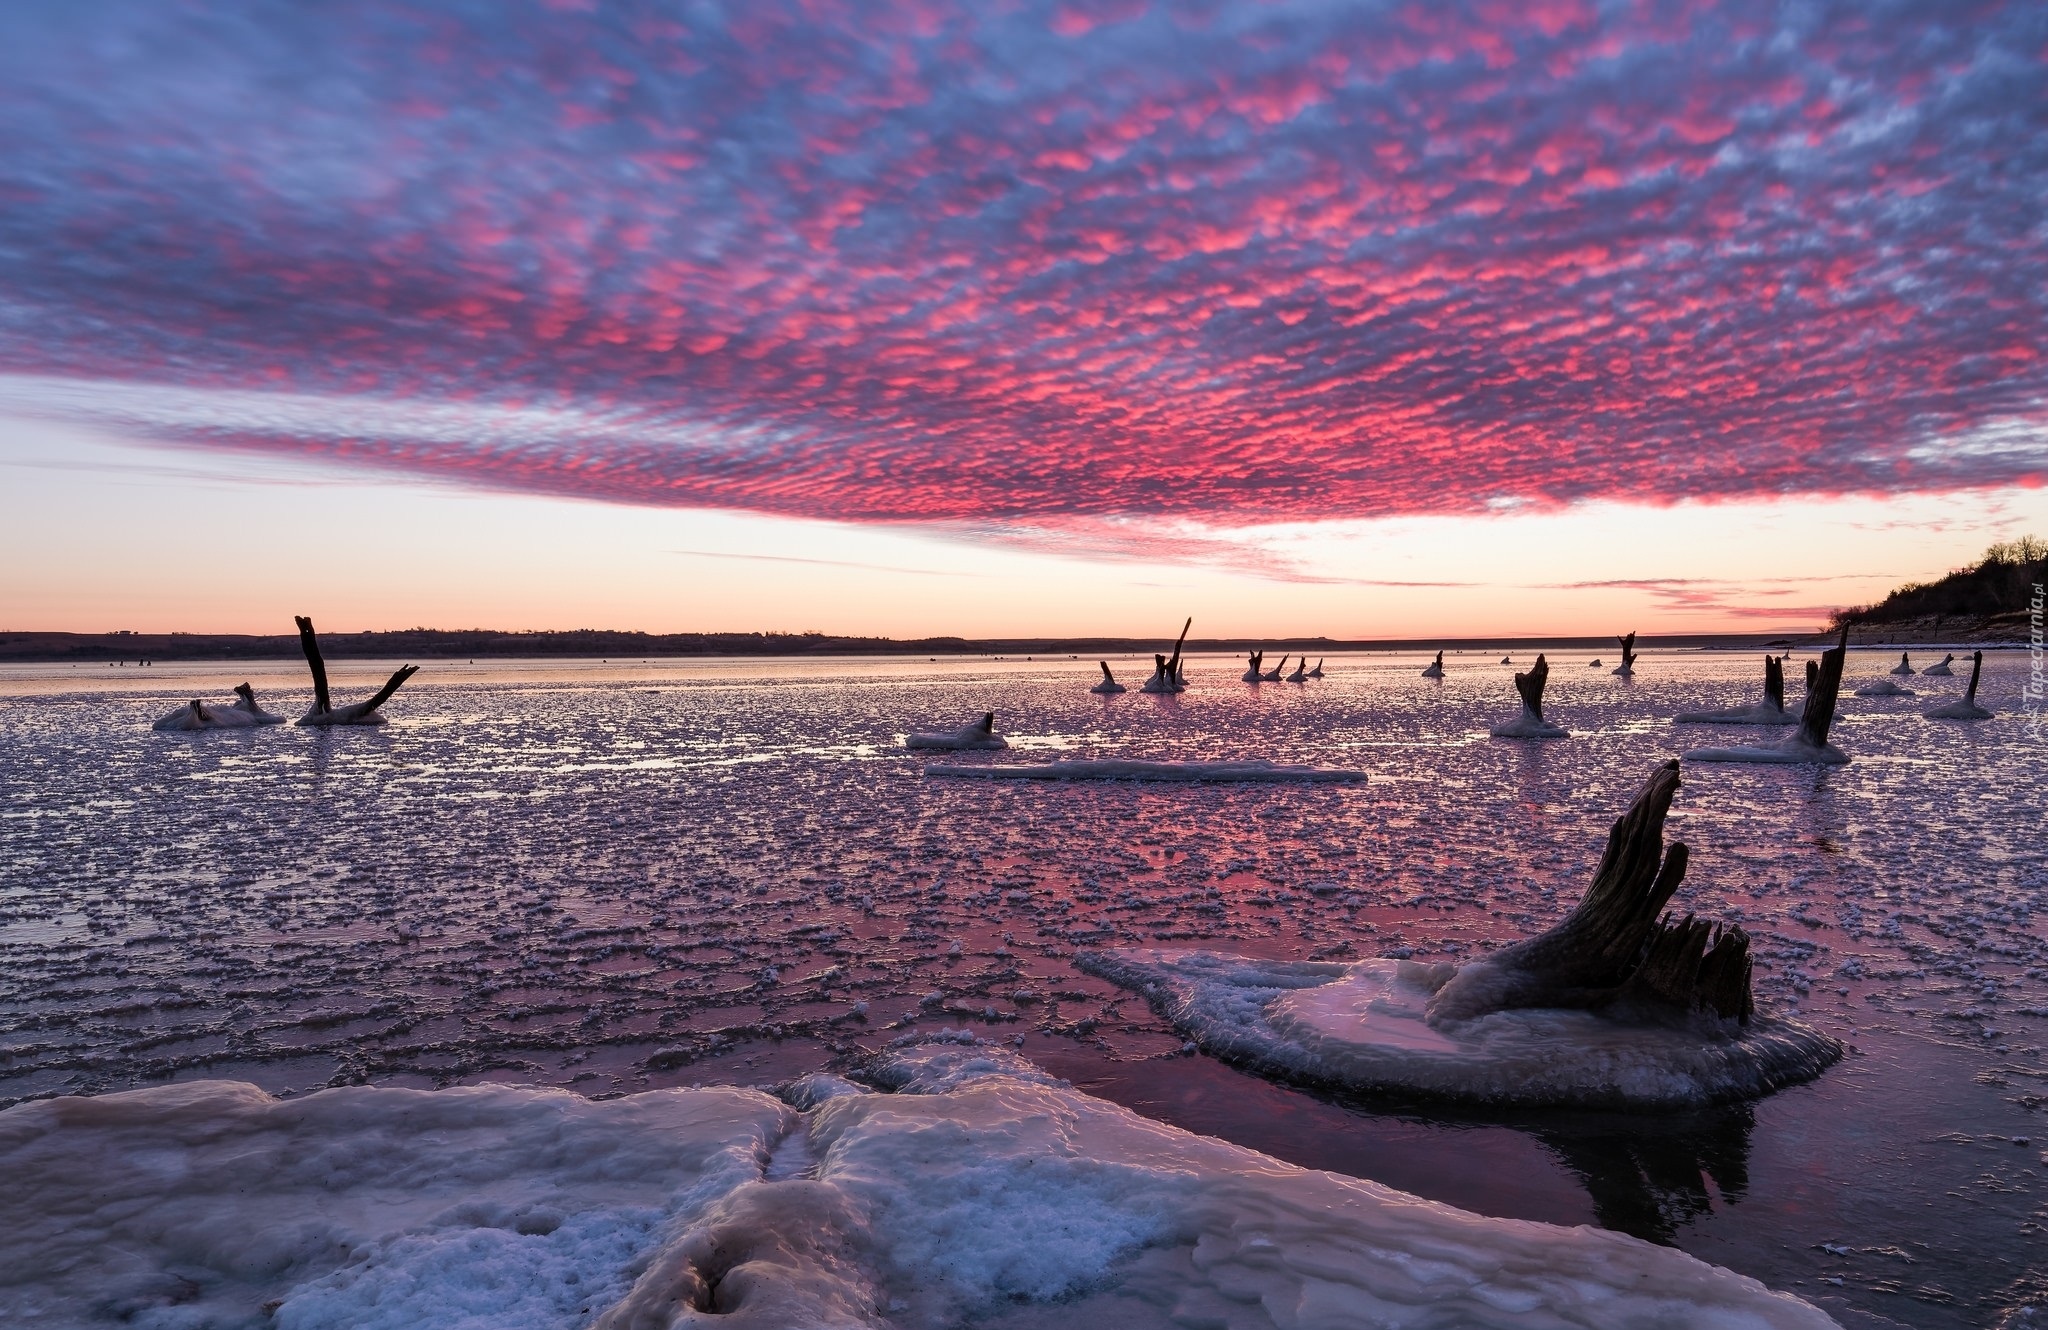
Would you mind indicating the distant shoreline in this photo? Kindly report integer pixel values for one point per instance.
(469, 644)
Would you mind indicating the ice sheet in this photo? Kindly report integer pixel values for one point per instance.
(491, 1208)
(983, 1187)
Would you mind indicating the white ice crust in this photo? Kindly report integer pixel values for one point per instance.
(197, 715)
(1792, 750)
(998, 1192)
(1529, 725)
(1361, 1025)
(1136, 769)
(354, 713)
(1960, 708)
(968, 737)
(1756, 713)
(1883, 688)
(243, 713)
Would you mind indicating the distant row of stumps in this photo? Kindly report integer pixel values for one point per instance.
(245, 713)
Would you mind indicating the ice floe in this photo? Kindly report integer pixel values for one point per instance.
(981, 1188)
(1138, 769)
(241, 714)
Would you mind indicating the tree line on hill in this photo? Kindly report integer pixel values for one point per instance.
(2001, 582)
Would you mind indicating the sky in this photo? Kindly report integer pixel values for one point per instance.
(1001, 317)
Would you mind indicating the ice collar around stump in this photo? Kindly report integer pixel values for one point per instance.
(1435, 669)
(324, 711)
(1770, 711)
(1940, 669)
(1808, 745)
(1905, 665)
(1964, 707)
(1300, 674)
(1530, 724)
(1620, 1005)
(242, 714)
(1168, 674)
(980, 734)
(1317, 672)
(1253, 661)
(1627, 668)
(1109, 684)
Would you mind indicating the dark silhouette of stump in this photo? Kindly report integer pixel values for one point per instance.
(1530, 686)
(324, 712)
(1823, 686)
(1615, 949)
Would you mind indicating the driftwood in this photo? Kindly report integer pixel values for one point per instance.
(1615, 950)
(324, 711)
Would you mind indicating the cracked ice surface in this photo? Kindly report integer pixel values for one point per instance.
(615, 877)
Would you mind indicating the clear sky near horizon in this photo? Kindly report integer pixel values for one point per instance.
(909, 317)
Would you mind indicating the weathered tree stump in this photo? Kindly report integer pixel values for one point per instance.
(1615, 949)
(324, 711)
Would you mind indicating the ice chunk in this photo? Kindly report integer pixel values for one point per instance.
(983, 1187)
(1364, 1026)
(487, 1207)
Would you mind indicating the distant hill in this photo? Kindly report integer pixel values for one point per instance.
(1971, 599)
(477, 643)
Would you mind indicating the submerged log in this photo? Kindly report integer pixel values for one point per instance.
(324, 711)
(1613, 947)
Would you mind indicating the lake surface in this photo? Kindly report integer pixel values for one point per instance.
(620, 875)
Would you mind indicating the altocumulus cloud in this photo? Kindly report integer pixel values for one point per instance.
(1050, 265)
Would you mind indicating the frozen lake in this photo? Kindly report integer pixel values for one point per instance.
(620, 876)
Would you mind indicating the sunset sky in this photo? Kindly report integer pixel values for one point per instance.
(1003, 317)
